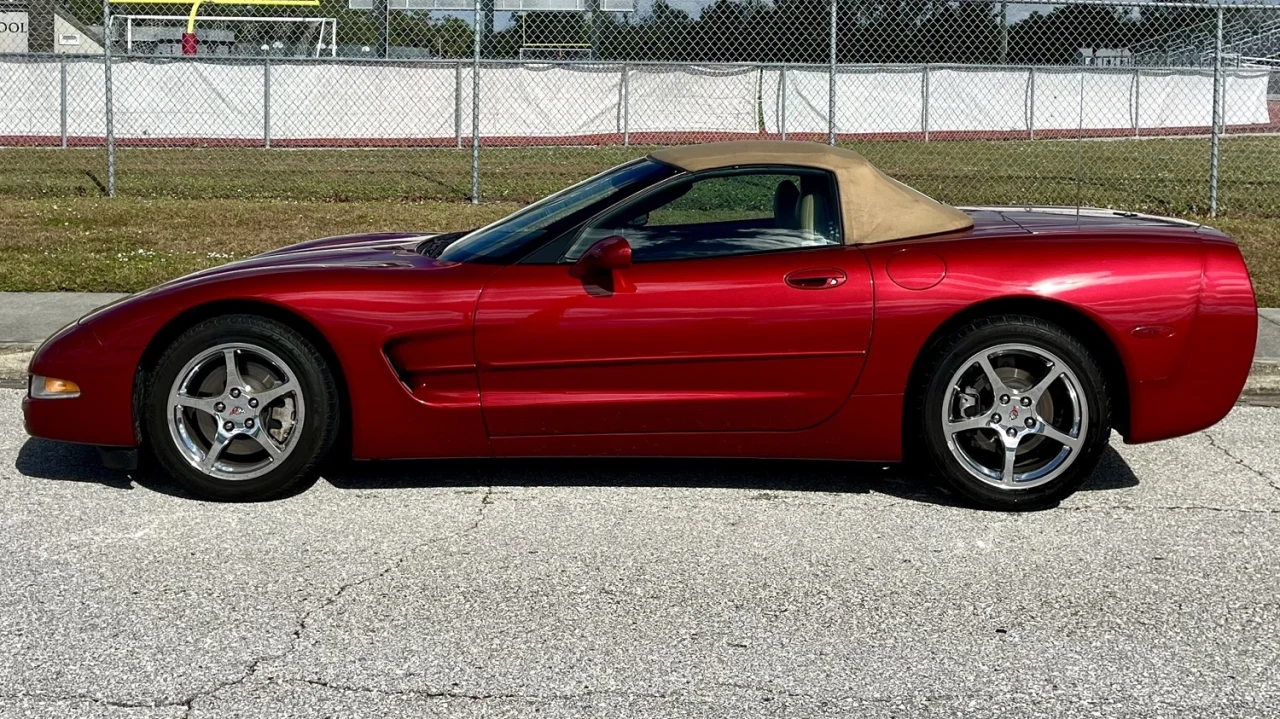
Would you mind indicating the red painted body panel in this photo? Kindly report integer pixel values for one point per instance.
(717, 344)
(698, 358)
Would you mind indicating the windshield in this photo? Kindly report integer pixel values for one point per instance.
(500, 240)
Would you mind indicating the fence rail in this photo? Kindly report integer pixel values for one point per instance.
(833, 71)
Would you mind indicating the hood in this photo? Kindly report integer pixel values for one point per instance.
(386, 249)
(374, 250)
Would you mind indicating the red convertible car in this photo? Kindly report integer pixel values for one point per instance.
(745, 299)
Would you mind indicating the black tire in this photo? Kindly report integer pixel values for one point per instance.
(933, 393)
(319, 427)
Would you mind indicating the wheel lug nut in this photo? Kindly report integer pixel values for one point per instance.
(1004, 399)
(1026, 401)
(1012, 432)
(253, 401)
(248, 424)
(995, 418)
(219, 407)
(1030, 423)
(228, 426)
(235, 391)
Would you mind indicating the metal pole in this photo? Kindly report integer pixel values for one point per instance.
(110, 110)
(831, 80)
(1215, 139)
(1137, 96)
(626, 105)
(266, 104)
(1004, 33)
(457, 102)
(475, 108)
(1031, 103)
(924, 102)
(62, 84)
(782, 102)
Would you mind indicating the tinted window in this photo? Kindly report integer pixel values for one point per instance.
(741, 212)
(512, 234)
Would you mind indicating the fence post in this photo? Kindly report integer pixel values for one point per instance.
(475, 109)
(1137, 99)
(831, 80)
(1031, 103)
(110, 109)
(782, 102)
(626, 105)
(266, 104)
(1215, 139)
(62, 92)
(457, 102)
(924, 102)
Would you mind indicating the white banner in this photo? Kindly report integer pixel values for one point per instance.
(329, 103)
(879, 100)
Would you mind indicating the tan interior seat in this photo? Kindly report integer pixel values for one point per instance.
(785, 201)
(812, 212)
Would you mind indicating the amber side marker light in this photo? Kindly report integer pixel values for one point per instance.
(53, 388)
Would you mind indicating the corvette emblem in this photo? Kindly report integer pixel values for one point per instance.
(1013, 412)
(237, 410)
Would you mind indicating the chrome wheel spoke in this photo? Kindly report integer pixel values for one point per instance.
(233, 370)
(1053, 375)
(968, 425)
(268, 396)
(1059, 436)
(202, 404)
(264, 439)
(220, 442)
(1010, 458)
(997, 384)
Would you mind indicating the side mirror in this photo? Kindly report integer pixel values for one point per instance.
(611, 253)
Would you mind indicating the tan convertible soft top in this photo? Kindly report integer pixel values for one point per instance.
(875, 207)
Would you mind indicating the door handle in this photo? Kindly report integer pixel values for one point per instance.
(823, 278)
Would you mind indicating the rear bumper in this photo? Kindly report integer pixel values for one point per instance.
(1217, 358)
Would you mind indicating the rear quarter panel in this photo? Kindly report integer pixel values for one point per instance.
(1120, 281)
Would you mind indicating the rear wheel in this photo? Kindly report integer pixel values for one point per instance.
(240, 408)
(1015, 413)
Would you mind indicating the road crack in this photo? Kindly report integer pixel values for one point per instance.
(304, 622)
(1213, 442)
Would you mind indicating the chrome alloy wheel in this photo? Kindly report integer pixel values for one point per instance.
(1015, 416)
(235, 411)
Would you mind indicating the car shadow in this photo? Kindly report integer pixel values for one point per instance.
(74, 463)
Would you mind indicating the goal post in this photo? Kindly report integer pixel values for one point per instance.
(235, 35)
(189, 41)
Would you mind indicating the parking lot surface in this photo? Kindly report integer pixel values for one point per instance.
(644, 589)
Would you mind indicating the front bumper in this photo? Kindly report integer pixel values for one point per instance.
(103, 412)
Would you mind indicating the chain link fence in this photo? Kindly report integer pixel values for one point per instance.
(1170, 107)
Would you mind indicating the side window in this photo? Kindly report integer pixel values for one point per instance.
(726, 213)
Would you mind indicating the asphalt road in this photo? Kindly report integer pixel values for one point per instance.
(644, 589)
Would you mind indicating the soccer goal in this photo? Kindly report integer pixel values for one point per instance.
(231, 35)
(226, 34)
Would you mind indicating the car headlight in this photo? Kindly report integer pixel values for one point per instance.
(52, 388)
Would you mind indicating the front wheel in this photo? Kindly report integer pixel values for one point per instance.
(1015, 413)
(240, 407)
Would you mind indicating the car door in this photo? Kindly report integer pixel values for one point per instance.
(741, 311)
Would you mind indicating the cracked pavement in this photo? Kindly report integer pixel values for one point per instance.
(645, 589)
